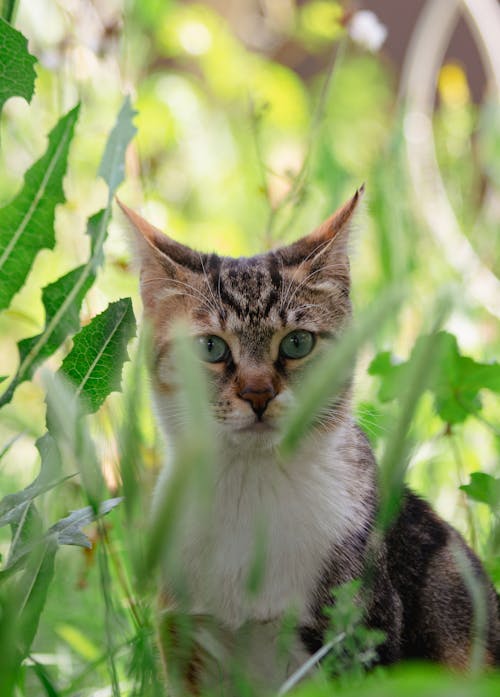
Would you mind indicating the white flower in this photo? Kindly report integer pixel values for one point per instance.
(367, 30)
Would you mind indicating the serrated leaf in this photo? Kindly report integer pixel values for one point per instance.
(62, 301)
(33, 588)
(455, 380)
(95, 363)
(112, 167)
(12, 506)
(483, 488)
(17, 75)
(27, 222)
(63, 298)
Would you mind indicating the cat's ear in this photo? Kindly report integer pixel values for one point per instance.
(327, 245)
(162, 261)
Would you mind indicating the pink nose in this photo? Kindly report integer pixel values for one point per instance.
(258, 398)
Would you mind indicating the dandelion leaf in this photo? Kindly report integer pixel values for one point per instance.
(99, 351)
(17, 75)
(27, 222)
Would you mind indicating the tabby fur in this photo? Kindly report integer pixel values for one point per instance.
(318, 509)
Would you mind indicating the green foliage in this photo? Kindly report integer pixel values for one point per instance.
(234, 165)
(454, 380)
(356, 651)
(62, 299)
(112, 167)
(99, 351)
(93, 368)
(27, 222)
(17, 75)
(329, 374)
(484, 488)
(412, 680)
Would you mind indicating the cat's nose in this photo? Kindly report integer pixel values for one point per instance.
(258, 398)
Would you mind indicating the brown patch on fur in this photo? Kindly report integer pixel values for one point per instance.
(416, 593)
(181, 658)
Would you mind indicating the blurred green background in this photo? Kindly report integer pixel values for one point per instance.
(250, 132)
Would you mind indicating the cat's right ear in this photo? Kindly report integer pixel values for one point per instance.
(164, 264)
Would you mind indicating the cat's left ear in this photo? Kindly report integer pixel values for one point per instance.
(163, 262)
(327, 245)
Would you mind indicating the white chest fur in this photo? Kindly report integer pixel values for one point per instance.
(276, 522)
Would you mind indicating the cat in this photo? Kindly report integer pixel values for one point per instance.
(257, 323)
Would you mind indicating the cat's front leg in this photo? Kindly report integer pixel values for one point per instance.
(197, 653)
(182, 659)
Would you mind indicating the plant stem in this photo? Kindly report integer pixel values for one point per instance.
(9, 8)
(461, 472)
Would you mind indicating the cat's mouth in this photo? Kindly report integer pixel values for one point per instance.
(257, 426)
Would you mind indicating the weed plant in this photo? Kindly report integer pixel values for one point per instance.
(79, 451)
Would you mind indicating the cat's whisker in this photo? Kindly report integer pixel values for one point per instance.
(219, 293)
(191, 291)
(216, 306)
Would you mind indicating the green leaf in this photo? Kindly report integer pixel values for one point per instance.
(62, 301)
(12, 506)
(45, 679)
(455, 380)
(27, 222)
(112, 168)
(395, 459)
(68, 531)
(63, 298)
(484, 488)
(72, 434)
(17, 75)
(99, 351)
(32, 592)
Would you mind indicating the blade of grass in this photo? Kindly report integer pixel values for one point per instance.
(130, 435)
(45, 679)
(105, 583)
(477, 595)
(72, 435)
(330, 372)
(394, 461)
(194, 459)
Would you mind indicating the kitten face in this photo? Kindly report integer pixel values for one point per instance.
(257, 322)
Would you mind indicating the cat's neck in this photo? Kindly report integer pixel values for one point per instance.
(305, 508)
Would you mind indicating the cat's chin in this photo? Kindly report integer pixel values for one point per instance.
(261, 434)
(258, 427)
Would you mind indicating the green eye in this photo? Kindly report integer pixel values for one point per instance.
(212, 349)
(297, 344)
